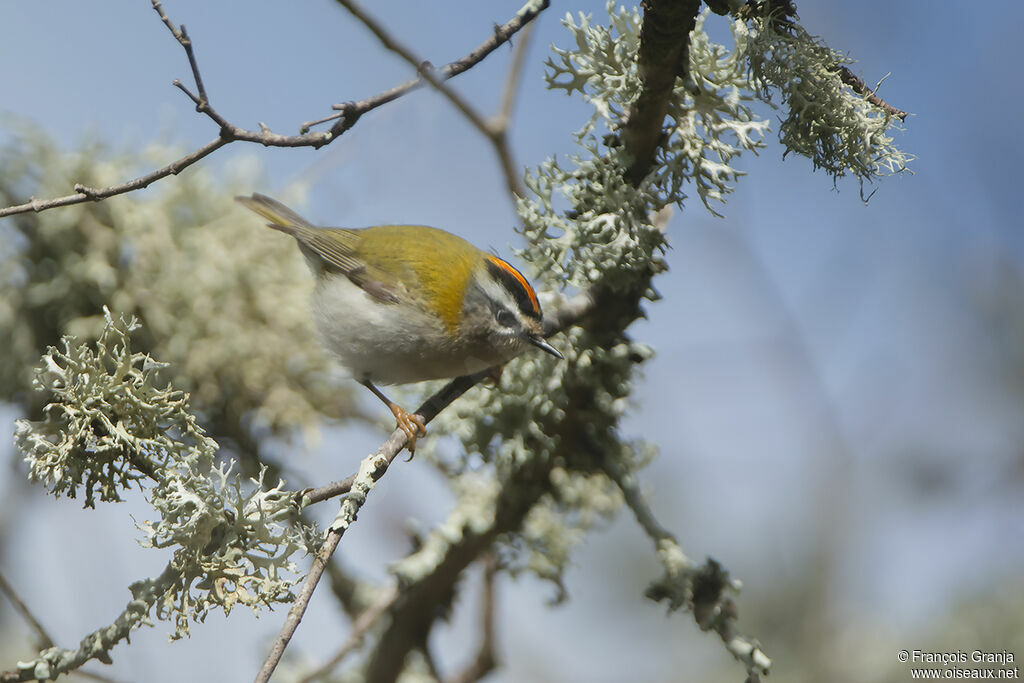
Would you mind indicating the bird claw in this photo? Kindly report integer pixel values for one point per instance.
(412, 424)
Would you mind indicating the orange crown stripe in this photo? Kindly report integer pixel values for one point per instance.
(519, 278)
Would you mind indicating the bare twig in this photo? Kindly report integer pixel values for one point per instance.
(371, 470)
(425, 69)
(182, 37)
(363, 623)
(515, 75)
(348, 114)
(501, 120)
(493, 131)
(21, 608)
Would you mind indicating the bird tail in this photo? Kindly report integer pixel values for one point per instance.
(279, 216)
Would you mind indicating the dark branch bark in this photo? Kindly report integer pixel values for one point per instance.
(663, 56)
(860, 88)
(413, 614)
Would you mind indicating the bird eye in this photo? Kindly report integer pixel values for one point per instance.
(506, 319)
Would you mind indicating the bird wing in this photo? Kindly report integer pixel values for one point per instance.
(334, 248)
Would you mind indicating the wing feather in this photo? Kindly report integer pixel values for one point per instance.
(334, 248)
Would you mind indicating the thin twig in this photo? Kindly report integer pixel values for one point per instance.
(515, 76)
(45, 641)
(500, 123)
(494, 131)
(182, 37)
(347, 116)
(861, 88)
(363, 623)
(374, 466)
(425, 69)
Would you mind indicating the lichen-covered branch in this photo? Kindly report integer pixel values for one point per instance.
(832, 118)
(52, 662)
(663, 56)
(704, 589)
(109, 426)
(371, 469)
(428, 576)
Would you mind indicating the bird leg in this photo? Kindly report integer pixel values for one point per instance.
(493, 377)
(413, 425)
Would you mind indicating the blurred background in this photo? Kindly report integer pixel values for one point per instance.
(838, 391)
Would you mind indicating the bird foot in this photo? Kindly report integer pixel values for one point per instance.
(412, 424)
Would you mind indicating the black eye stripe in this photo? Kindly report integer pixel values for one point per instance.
(516, 285)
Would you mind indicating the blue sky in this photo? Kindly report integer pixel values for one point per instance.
(815, 355)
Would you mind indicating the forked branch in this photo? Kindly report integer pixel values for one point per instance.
(347, 115)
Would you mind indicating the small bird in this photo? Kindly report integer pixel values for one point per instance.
(406, 303)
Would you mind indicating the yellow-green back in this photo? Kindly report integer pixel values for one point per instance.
(434, 262)
(426, 264)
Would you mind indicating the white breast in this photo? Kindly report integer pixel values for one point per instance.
(387, 343)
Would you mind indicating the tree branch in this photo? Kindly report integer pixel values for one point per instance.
(413, 613)
(370, 471)
(663, 56)
(181, 35)
(494, 131)
(363, 623)
(782, 14)
(348, 114)
(860, 88)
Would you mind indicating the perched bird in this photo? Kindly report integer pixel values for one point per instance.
(406, 303)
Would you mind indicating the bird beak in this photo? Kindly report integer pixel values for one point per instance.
(544, 346)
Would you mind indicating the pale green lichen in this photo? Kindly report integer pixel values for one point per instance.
(110, 424)
(586, 225)
(610, 237)
(222, 299)
(838, 129)
(609, 232)
(106, 424)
